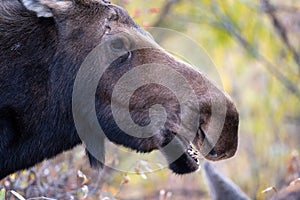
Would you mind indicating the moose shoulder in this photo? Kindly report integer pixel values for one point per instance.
(43, 44)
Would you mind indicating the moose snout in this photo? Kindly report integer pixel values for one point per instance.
(222, 144)
(217, 135)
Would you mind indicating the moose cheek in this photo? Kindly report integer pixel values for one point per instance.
(144, 103)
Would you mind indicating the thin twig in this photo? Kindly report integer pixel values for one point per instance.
(40, 198)
(99, 181)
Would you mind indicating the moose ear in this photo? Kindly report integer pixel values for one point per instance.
(45, 8)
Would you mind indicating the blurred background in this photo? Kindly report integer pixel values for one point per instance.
(255, 46)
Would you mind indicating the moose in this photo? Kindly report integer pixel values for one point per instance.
(43, 44)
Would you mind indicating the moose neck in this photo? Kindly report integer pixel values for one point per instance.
(33, 44)
(25, 37)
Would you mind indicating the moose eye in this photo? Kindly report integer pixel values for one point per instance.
(120, 44)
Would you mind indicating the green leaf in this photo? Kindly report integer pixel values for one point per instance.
(2, 194)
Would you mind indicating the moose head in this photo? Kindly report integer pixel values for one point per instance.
(70, 66)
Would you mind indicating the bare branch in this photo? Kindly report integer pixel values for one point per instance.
(165, 11)
(270, 10)
(284, 8)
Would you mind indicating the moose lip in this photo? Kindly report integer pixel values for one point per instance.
(189, 159)
(192, 153)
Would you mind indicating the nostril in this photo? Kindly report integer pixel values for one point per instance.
(217, 152)
(214, 155)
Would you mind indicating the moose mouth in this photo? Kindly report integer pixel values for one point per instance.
(184, 156)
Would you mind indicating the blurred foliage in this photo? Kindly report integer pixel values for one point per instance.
(2, 194)
(254, 45)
